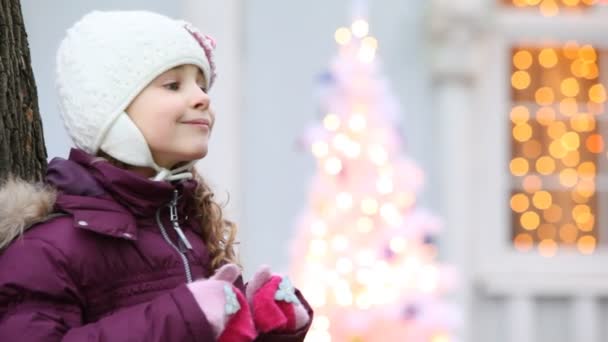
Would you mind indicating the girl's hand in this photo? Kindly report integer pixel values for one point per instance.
(224, 306)
(274, 304)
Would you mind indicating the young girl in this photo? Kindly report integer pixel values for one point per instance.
(124, 242)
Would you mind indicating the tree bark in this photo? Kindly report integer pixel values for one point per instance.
(22, 148)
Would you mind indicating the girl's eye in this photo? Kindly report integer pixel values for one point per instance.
(204, 89)
(172, 86)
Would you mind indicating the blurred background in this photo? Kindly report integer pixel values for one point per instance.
(501, 106)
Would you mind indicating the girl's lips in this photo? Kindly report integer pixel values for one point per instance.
(198, 122)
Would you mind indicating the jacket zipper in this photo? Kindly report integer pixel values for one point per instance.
(183, 241)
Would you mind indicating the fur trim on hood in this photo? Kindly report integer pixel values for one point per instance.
(23, 205)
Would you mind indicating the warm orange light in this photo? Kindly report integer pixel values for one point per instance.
(571, 159)
(583, 122)
(547, 57)
(542, 200)
(520, 115)
(545, 165)
(544, 96)
(522, 133)
(520, 203)
(579, 68)
(529, 220)
(570, 87)
(584, 219)
(585, 188)
(586, 244)
(523, 242)
(588, 224)
(522, 59)
(520, 80)
(519, 166)
(592, 71)
(587, 170)
(580, 209)
(549, 8)
(571, 141)
(595, 143)
(597, 93)
(587, 53)
(570, 49)
(557, 149)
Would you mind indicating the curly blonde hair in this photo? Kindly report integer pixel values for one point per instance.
(218, 233)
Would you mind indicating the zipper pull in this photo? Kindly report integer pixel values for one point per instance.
(175, 221)
(182, 236)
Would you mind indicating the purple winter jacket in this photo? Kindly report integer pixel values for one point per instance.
(106, 264)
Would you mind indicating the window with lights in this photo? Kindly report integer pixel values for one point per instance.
(558, 127)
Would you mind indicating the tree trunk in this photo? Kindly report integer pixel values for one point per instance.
(22, 149)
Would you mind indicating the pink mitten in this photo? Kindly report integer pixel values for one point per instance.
(274, 303)
(224, 305)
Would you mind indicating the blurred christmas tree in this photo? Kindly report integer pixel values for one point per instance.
(365, 252)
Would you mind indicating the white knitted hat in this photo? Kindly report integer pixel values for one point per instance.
(106, 60)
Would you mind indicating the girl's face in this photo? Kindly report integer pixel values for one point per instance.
(173, 113)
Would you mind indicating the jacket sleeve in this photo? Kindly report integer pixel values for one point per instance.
(39, 301)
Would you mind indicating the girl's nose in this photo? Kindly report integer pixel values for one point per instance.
(200, 99)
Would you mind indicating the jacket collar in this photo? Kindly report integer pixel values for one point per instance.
(109, 200)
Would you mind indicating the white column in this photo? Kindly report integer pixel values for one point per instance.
(454, 44)
(585, 318)
(222, 167)
(453, 108)
(521, 319)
